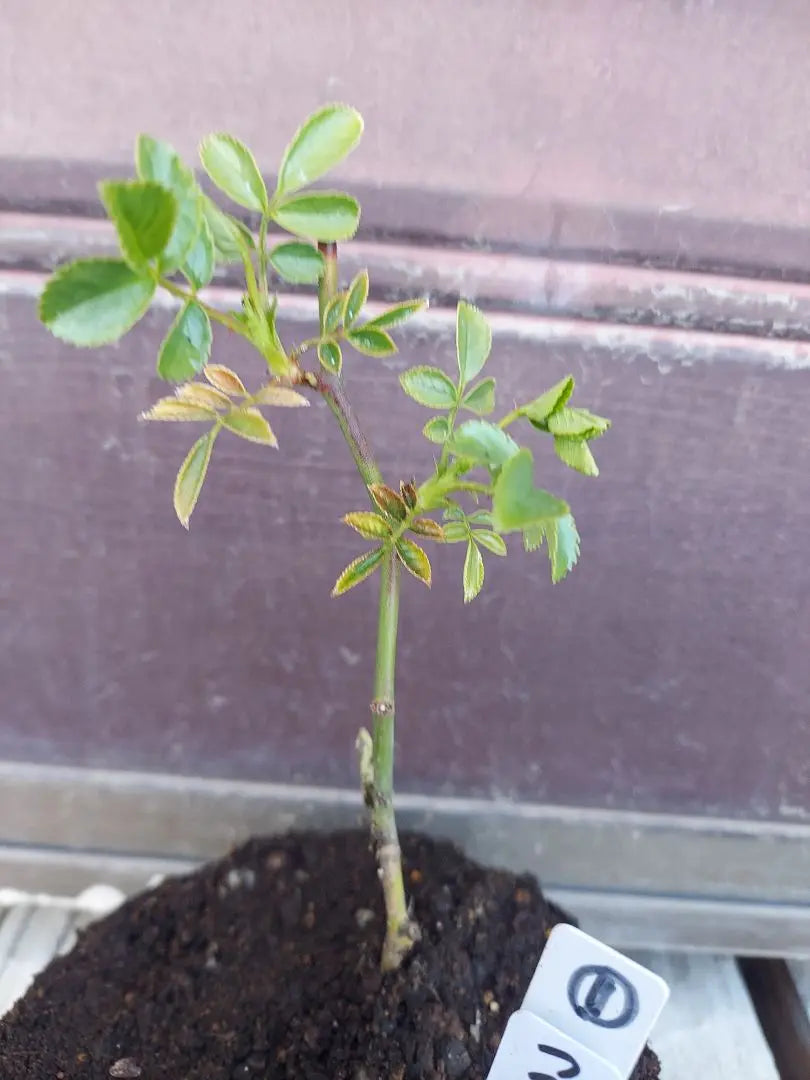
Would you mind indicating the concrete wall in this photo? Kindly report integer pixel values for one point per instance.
(631, 180)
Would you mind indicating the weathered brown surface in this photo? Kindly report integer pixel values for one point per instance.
(669, 672)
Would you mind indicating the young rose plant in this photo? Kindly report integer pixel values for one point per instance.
(173, 236)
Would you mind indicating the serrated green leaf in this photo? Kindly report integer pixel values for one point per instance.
(191, 476)
(319, 215)
(282, 396)
(356, 296)
(322, 141)
(414, 559)
(200, 394)
(473, 578)
(483, 443)
(199, 263)
(491, 541)
(330, 356)
(516, 502)
(577, 422)
(481, 517)
(563, 546)
(428, 386)
(480, 398)
(94, 301)
(456, 531)
(576, 454)
(187, 346)
(155, 160)
(297, 262)
(158, 161)
(233, 169)
(334, 313)
(178, 409)
(391, 504)
(370, 525)
(358, 571)
(371, 342)
(397, 314)
(436, 429)
(143, 213)
(249, 424)
(224, 379)
(533, 537)
(539, 410)
(232, 239)
(473, 340)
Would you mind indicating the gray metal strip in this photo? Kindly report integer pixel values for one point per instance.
(158, 823)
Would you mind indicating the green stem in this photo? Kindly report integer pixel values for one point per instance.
(472, 485)
(212, 313)
(332, 390)
(263, 257)
(451, 420)
(509, 418)
(400, 930)
(376, 760)
(328, 283)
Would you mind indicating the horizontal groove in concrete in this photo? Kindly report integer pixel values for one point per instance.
(538, 285)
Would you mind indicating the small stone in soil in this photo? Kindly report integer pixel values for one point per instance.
(241, 877)
(125, 1069)
(455, 1058)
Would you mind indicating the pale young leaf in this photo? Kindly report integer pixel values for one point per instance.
(224, 379)
(191, 475)
(370, 525)
(200, 394)
(282, 396)
(473, 577)
(249, 424)
(172, 408)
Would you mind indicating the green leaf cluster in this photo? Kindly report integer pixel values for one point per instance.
(481, 461)
(222, 401)
(173, 236)
(394, 515)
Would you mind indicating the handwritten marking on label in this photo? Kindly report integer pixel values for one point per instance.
(592, 1004)
(533, 1049)
(599, 998)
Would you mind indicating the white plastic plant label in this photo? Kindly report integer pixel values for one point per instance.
(532, 1049)
(598, 997)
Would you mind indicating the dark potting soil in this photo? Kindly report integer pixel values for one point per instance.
(264, 966)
